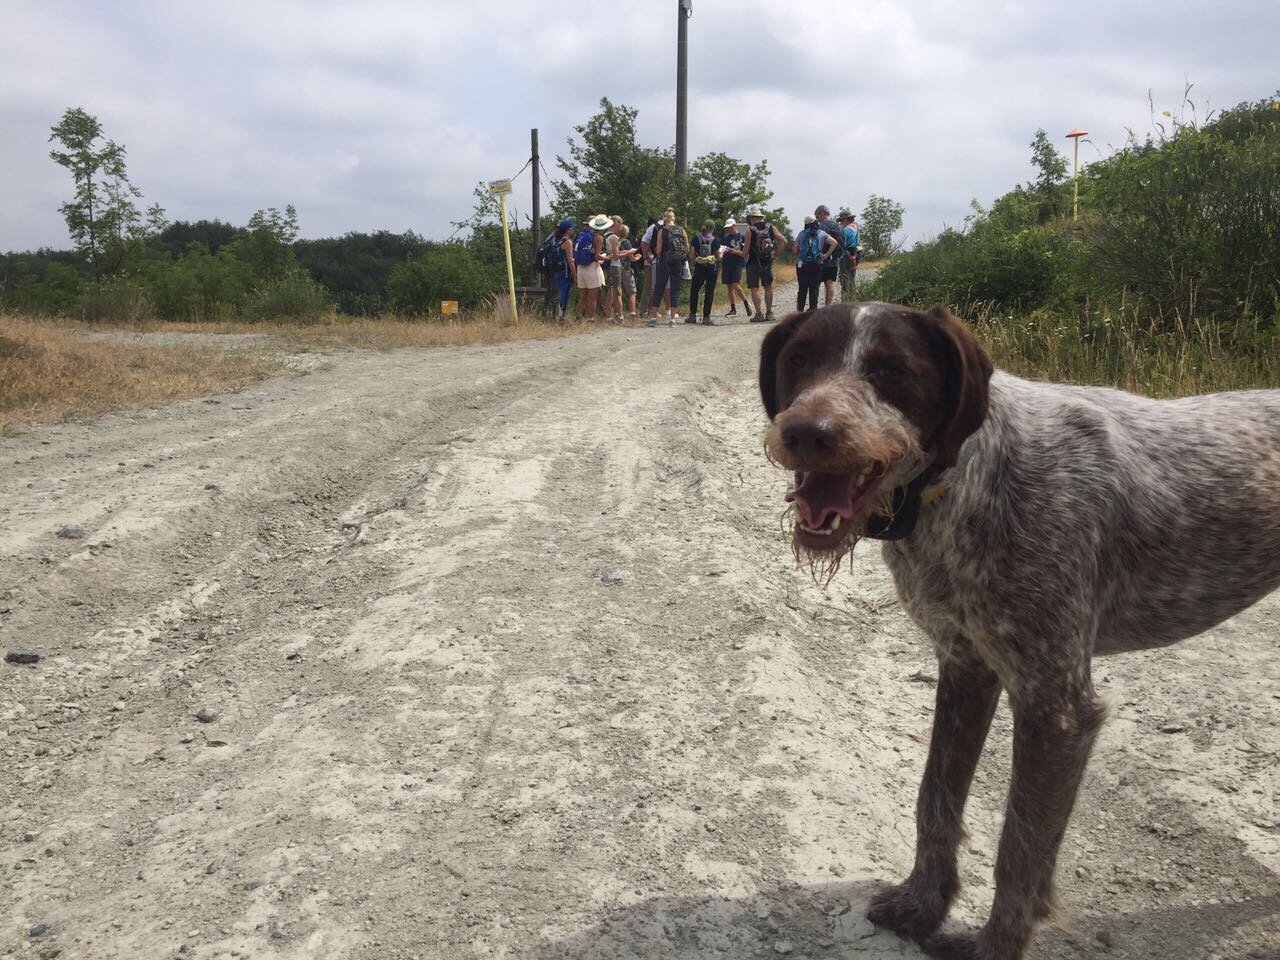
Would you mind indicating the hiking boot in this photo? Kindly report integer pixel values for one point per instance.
(652, 322)
(747, 308)
(691, 319)
(708, 322)
(770, 318)
(759, 319)
(671, 322)
(733, 312)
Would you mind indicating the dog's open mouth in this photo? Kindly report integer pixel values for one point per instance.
(830, 505)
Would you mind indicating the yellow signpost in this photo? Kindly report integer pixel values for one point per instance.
(449, 308)
(502, 188)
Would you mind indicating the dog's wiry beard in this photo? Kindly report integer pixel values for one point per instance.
(823, 565)
(891, 442)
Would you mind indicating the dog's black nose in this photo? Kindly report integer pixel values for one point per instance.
(810, 436)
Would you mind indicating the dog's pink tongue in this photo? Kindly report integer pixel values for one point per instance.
(818, 495)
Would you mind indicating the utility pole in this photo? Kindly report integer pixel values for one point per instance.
(684, 10)
(537, 206)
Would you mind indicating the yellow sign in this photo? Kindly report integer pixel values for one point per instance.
(499, 186)
(448, 307)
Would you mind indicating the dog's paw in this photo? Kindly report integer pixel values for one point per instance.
(954, 946)
(909, 909)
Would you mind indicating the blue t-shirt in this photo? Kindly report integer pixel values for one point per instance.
(850, 241)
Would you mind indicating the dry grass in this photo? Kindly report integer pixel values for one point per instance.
(387, 332)
(51, 371)
(49, 374)
(783, 272)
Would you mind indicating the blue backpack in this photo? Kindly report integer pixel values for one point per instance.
(811, 244)
(584, 248)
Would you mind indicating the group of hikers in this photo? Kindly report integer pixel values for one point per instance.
(600, 259)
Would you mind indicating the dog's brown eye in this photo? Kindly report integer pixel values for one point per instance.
(890, 371)
(799, 360)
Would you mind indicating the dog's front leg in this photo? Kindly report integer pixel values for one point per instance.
(967, 695)
(1053, 730)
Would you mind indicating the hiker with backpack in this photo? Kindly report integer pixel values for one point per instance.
(732, 255)
(672, 256)
(763, 239)
(705, 270)
(814, 249)
(587, 254)
(849, 256)
(555, 260)
(613, 265)
(831, 269)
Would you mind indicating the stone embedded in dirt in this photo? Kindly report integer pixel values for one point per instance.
(22, 656)
(783, 946)
(39, 930)
(212, 486)
(253, 885)
(211, 869)
(610, 577)
(71, 531)
(49, 953)
(1104, 937)
(205, 715)
(186, 738)
(1173, 728)
(215, 743)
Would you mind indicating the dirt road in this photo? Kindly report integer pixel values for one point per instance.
(500, 652)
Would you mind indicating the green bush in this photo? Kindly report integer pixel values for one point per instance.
(294, 297)
(448, 272)
(116, 300)
(1187, 221)
(1178, 227)
(198, 287)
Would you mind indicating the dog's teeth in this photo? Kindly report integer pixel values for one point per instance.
(835, 524)
(821, 533)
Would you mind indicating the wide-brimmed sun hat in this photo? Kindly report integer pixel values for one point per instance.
(600, 222)
(808, 221)
(844, 215)
(755, 212)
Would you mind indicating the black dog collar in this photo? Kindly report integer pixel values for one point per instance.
(906, 508)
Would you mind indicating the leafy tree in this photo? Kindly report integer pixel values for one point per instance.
(607, 171)
(1051, 174)
(267, 248)
(881, 219)
(721, 187)
(105, 223)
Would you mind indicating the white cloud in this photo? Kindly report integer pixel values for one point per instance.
(386, 114)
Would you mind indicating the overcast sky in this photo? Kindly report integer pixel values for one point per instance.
(385, 114)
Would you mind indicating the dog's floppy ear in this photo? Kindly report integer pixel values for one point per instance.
(769, 350)
(968, 370)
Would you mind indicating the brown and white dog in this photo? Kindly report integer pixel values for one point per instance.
(1071, 521)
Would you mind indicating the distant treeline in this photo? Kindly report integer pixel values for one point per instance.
(212, 270)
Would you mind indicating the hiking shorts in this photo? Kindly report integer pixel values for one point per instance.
(590, 276)
(758, 274)
(731, 270)
(628, 278)
(830, 270)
